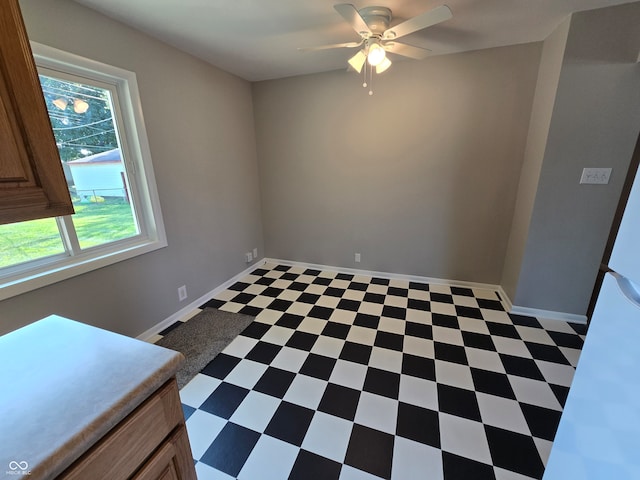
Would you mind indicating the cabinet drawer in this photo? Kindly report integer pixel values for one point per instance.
(121, 452)
(172, 461)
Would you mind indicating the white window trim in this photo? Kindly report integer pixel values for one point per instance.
(133, 136)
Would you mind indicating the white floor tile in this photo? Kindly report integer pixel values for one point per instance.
(345, 317)
(328, 436)
(362, 335)
(240, 346)
(379, 413)
(312, 325)
(535, 335)
(484, 359)
(447, 335)
(420, 347)
(392, 325)
(454, 374)
(290, 359)
(464, 437)
(246, 373)
(502, 412)
(556, 373)
(328, 346)
(386, 359)
(511, 346)
(350, 473)
(255, 411)
(270, 459)
(534, 392)
(203, 428)
(418, 391)
(277, 335)
(443, 308)
(198, 390)
(306, 391)
(348, 374)
(413, 460)
(205, 472)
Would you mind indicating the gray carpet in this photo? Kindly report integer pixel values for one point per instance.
(202, 338)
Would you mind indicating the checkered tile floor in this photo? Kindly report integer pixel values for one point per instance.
(354, 377)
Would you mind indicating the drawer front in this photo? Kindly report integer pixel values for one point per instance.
(125, 448)
(172, 461)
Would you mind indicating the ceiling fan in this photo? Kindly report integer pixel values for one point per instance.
(377, 37)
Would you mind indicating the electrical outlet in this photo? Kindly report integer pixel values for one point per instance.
(357, 258)
(249, 257)
(182, 293)
(597, 176)
(255, 253)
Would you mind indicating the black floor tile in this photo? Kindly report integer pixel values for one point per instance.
(275, 382)
(418, 424)
(290, 423)
(442, 320)
(514, 451)
(309, 466)
(418, 367)
(336, 330)
(523, 367)
(394, 312)
(365, 320)
(224, 400)
(419, 330)
(256, 330)
(323, 313)
(450, 353)
(370, 450)
(289, 320)
(459, 402)
(356, 352)
(542, 422)
(231, 448)
(340, 401)
(502, 330)
(220, 366)
(492, 383)
(263, 352)
(549, 353)
(382, 383)
(318, 366)
(478, 340)
(391, 341)
(461, 468)
(468, 312)
(302, 341)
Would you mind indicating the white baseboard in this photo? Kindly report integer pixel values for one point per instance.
(189, 310)
(549, 314)
(539, 313)
(395, 276)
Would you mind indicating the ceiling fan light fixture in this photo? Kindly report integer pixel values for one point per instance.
(61, 103)
(376, 54)
(80, 106)
(383, 66)
(357, 61)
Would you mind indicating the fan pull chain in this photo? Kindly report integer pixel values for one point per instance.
(364, 71)
(370, 80)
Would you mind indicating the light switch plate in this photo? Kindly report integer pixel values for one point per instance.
(596, 176)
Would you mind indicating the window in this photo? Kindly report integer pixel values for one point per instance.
(96, 118)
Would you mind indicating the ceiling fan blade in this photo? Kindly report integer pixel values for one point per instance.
(334, 45)
(432, 17)
(405, 50)
(351, 15)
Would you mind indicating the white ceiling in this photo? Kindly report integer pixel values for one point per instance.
(259, 39)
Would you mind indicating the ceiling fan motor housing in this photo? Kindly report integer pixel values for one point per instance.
(376, 18)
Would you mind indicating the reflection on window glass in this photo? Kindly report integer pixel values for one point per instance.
(26, 241)
(85, 131)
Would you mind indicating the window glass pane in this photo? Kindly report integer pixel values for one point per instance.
(85, 130)
(25, 241)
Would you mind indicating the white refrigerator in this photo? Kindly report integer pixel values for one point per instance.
(599, 432)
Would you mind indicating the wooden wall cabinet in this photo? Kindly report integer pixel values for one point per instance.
(32, 182)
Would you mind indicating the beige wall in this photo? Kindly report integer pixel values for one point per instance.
(595, 123)
(420, 179)
(199, 121)
(542, 109)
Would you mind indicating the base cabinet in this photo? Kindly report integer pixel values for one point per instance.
(151, 443)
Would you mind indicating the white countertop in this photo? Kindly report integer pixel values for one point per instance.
(64, 385)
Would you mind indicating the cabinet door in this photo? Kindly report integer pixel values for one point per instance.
(32, 182)
(172, 461)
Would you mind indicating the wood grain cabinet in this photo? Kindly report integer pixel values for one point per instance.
(151, 443)
(32, 182)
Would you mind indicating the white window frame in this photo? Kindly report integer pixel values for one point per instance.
(136, 154)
